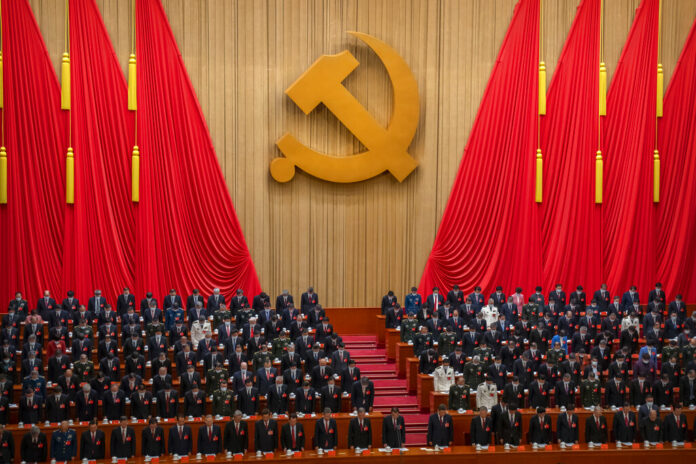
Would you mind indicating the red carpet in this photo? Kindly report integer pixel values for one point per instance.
(390, 391)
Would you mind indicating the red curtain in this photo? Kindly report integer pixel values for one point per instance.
(490, 230)
(31, 224)
(677, 210)
(629, 224)
(187, 232)
(571, 220)
(99, 227)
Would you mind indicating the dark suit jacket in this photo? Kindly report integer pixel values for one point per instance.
(325, 438)
(359, 437)
(307, 303)
(394, 437)
(209, 444)
(124, 302)
(440, 432)
(286, 437)
(281, 304)
(6, 447)
(332, 401)
(671, 431)
(215, 305)
(624, 432)
(34, 452)
(266, 437)
(168, 303)
(181, 445)
(168, 409)
(123, 447)
(567, 431)
(236, 442)
(360, 400)
(596, 433)
(305, 404)
(481, 432)
(153, 443)
(540, 432)
(278, 403)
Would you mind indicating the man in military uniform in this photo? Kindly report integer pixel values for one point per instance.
(83, 330)
(473, 371)
(485, 355)
(671, 350)
(153, 327)
(422, 341)
(221, 315)
(63, 443)
(223, 401)
(409, 327)
(243, 315)
(590, 392)
(556, 355)
(214, 377)
(261, 356)
(530, 312)
(83, 369)
(446, 342)
(688, 353)
(459, 395)
(280, 345)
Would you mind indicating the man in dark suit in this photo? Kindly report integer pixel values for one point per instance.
(326, 432)
(567, 427)
(124, 301)
(283, 300)
(651, 428)
(363, 394)
(260, 301)
(565, 391)
(180, 437)
(540, 428)
(388, 302)
(625, 426)
(394, 430)
(141, 403)
(558, 296)
(6, 445)
(435, 300)
(360, 431)
(331, 396)
(305, 398)
(172, 300)
(46, 304)
(265, 377)
(266, 433)
(292, 437)
(151, 313)
(596, 428)
(628, 298)
(188, 378)
(34, 447)
(320, 374)
(167, 402)
(153, 439)
(92, 443)
(615, 392)
(237, 435)
(113, 403)
(215, 300)
(57, 405)
(20, 305)
(308, 300)
(194, 298)
(602, 297)
(248, 398)
(277, 399)
(123, 440)
(209, 437)
(509, 427)
(674, 427)
(481, 427)
(440, 428)
(30, 407)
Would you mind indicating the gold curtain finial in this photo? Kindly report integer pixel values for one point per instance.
(656, 176)
(602, 89)
(135, 175)
(70, 177)
(132, 76)
(660, 88)
(539, 186)
(599, 178)
(65, 63)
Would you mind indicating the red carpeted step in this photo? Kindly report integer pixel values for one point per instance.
(359, 338)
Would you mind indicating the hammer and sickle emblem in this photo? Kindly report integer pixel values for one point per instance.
(387, 149)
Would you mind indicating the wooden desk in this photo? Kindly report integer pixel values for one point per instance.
(391, 338)
(342, 421)
(403, 351)
(412, 374)
(424, 386)
(381, 330)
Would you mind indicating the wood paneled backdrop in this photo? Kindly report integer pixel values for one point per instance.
(352, 242)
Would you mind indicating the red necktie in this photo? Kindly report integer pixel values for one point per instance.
(294, 443)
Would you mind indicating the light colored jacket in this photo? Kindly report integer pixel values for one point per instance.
(443, 379)
(486, 395)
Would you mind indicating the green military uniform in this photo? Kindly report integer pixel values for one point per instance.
(280, 346)
(260, 358)
(531, 311)
(669, 351)
(590, 393)
(223, 403)
(84, 331)
(409, 328)
(459, 397)
(485, 356)
(446, 343)
(152, 327)
(473, 373)
(422, 342)
(219, 317)
(555, 357)
(213, 378)
(83, 370)
(243, 316)
(688, 354)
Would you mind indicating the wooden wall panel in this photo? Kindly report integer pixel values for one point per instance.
(352, 242)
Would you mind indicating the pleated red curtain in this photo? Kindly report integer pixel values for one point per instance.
(187, 232)
(99, 227)
(630, 225)
(31, 224)
(491, 227)
(676, 213)
(569, 136)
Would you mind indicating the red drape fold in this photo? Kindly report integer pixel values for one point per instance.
(490, 230)
(31, 224)
(629, 223)
(571, 220)
(99, 227)
(188, 235)
(677, 210)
